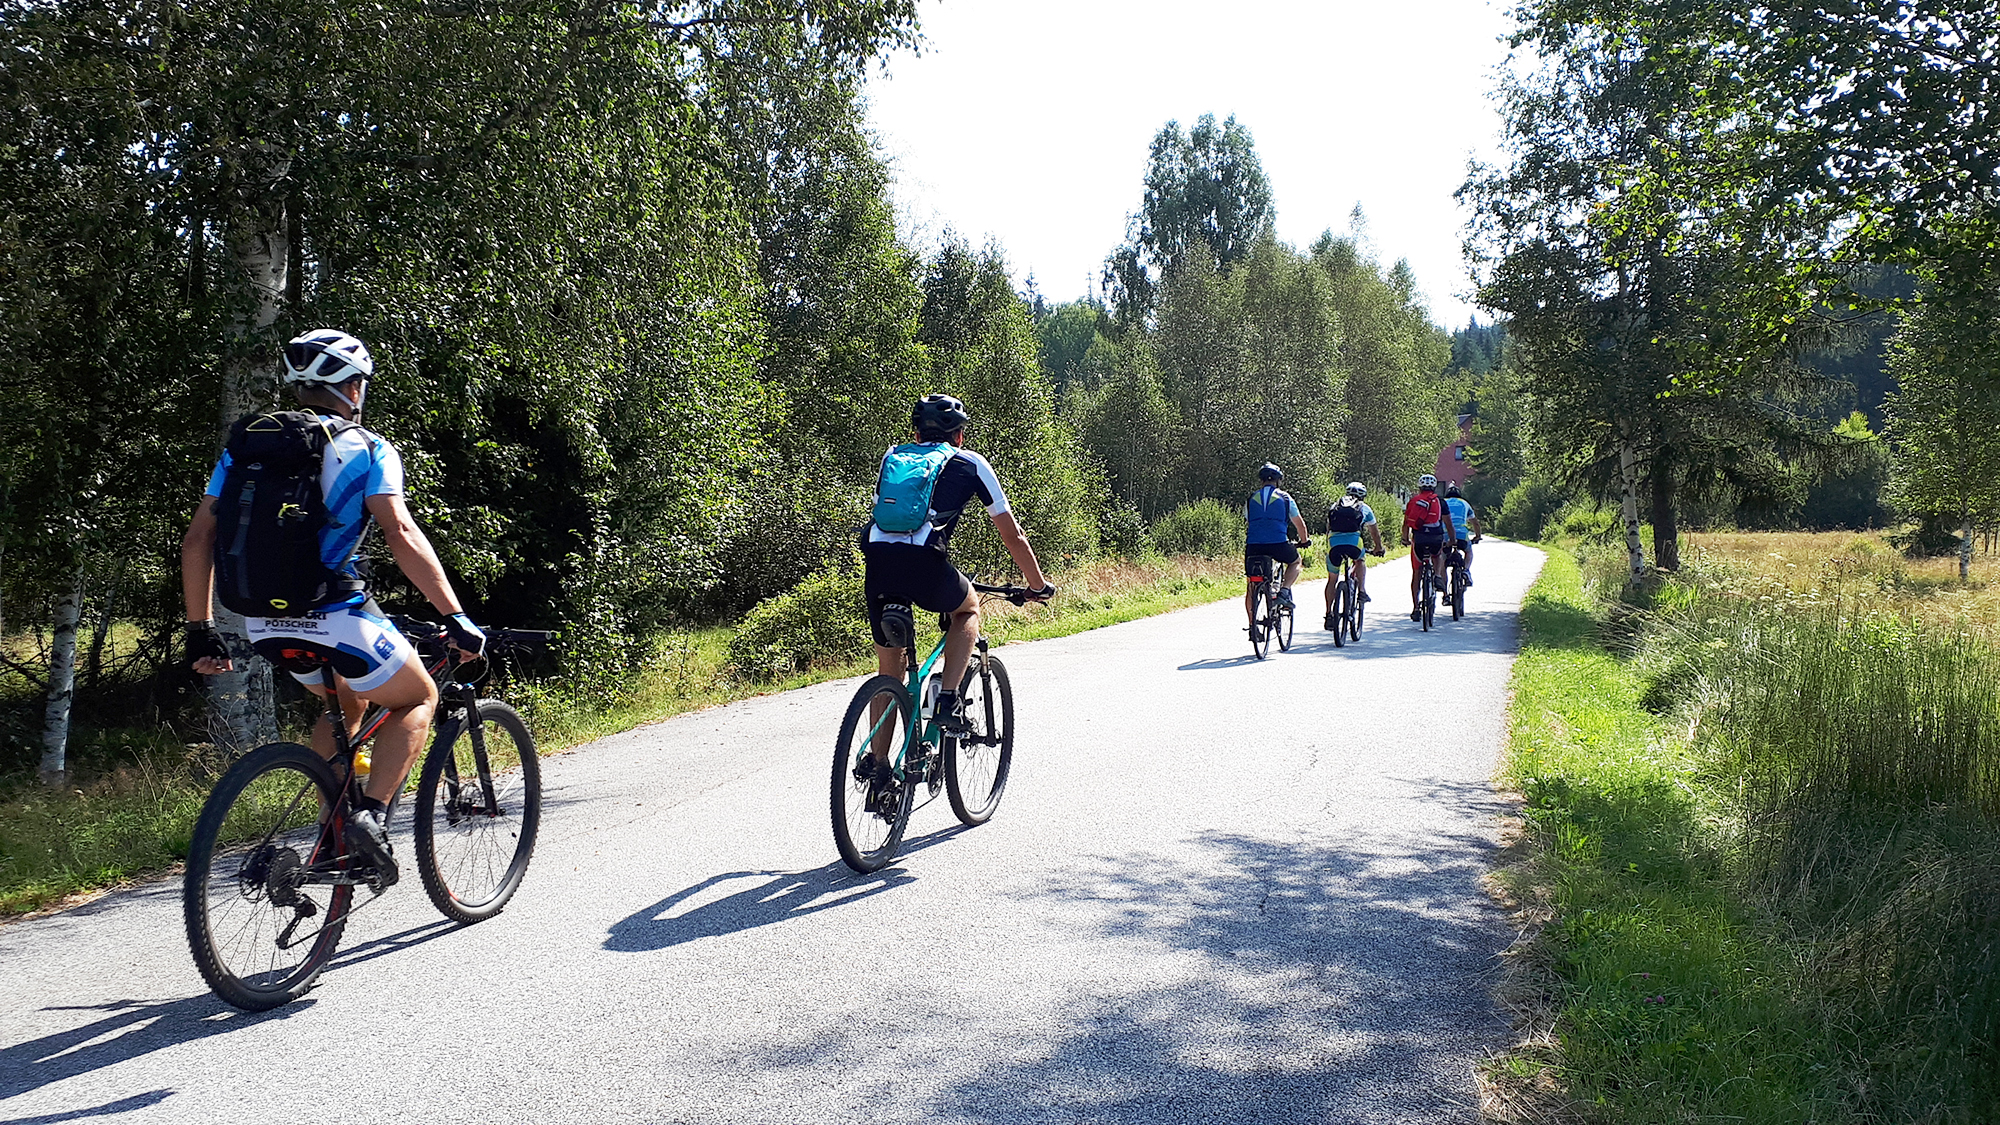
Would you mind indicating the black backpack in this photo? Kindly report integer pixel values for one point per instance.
(1344, 518)
(270, 513)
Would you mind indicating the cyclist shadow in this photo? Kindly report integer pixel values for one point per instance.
(135, 1027)
(393, 943)
(1215, 662)
(763, 898)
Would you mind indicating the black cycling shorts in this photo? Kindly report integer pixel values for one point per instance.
(906, 574)
(1339, 551)
(1283, 552)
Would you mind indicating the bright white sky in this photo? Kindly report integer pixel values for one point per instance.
(1027, 121)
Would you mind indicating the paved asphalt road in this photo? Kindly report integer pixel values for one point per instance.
(1212, 894)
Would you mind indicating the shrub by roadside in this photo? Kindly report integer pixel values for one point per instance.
(818, 622)
(1203, 528)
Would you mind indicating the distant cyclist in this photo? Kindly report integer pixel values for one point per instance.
(1271, 515)
(1466, 521)
(1347, 521)
(921, 491)
(360, 479)
(1427, 528)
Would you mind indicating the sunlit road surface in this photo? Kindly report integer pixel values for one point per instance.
(1217, 890)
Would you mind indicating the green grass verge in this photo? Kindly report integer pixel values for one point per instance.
(136, 820)
(1648, 994)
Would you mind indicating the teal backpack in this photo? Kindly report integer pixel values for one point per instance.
(903, 492)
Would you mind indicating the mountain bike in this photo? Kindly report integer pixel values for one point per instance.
(1271, 613)
(270, 879)
(1456, 593)
(1347, 605)
(1427, 586)
(899, 717)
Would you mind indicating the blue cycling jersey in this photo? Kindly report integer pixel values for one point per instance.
(1269, 513)
(1461, 516)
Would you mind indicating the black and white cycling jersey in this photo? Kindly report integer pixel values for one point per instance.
(964, 478)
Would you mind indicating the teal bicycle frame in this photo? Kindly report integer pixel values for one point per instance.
(925, 729)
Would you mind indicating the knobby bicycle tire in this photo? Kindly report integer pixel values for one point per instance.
(1358, 608)
(869, 836)
(472, 856)
(1429, 587)
(1260, 633)
(262, 834)
(1282, 620)
(1341, 593)
(975, 768)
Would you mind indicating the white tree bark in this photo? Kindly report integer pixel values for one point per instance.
(1965, 544)
(62, 685)
(242, 701)
(1635, 547)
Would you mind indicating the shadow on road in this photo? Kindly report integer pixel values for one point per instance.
(123, 1105)
(135, 1027)
(1336, 982)
(773, 897)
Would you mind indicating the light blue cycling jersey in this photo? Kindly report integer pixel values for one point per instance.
(358, 464)
(1353, 538)
(1461, 515)
(1269, 513)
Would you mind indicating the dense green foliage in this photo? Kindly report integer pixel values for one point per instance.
(642, 320)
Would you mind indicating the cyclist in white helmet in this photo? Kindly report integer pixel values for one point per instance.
(1427, 528)
(361, 479)
(1348, 521)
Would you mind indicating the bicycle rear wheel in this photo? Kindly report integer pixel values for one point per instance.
(1356, 611)
(869, 816)
(1281, 622)
(1260, 634)
(1430, 597)
(975, 767)
(261, 896)
(1341, 593)
(1457, 593)
(476, 827)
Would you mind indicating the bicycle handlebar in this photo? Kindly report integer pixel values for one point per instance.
(497, 639)
(1019, 595)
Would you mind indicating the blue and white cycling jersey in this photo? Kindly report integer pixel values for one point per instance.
(1269, 514)
(1353, 538)
(1461, 516)
(358, 464)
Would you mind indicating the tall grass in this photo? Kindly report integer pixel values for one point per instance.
(1859, 752)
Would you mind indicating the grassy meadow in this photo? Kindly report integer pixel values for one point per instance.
(1761, 840)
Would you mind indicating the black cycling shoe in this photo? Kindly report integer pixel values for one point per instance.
(1416, 614)
(1365, 599)
(1330, 623)
(864, 770)
(369, 837)
(950, 717)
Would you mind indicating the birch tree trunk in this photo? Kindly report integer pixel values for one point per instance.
(1635, 548)
(1965, 542)
(241, 702)
(62, 685)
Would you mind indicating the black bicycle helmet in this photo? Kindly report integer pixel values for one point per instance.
(1270, 472)
(941, 414)
(1451, 488)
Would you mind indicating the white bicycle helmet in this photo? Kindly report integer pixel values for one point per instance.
(1427, 481)
(1357, 490)
(326, 356)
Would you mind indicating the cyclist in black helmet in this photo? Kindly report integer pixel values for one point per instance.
(1270, 516)
(922, 490)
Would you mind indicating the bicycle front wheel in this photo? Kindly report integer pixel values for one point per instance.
(869, 815)
(479, 805)
(263, 897)
(975, 766)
